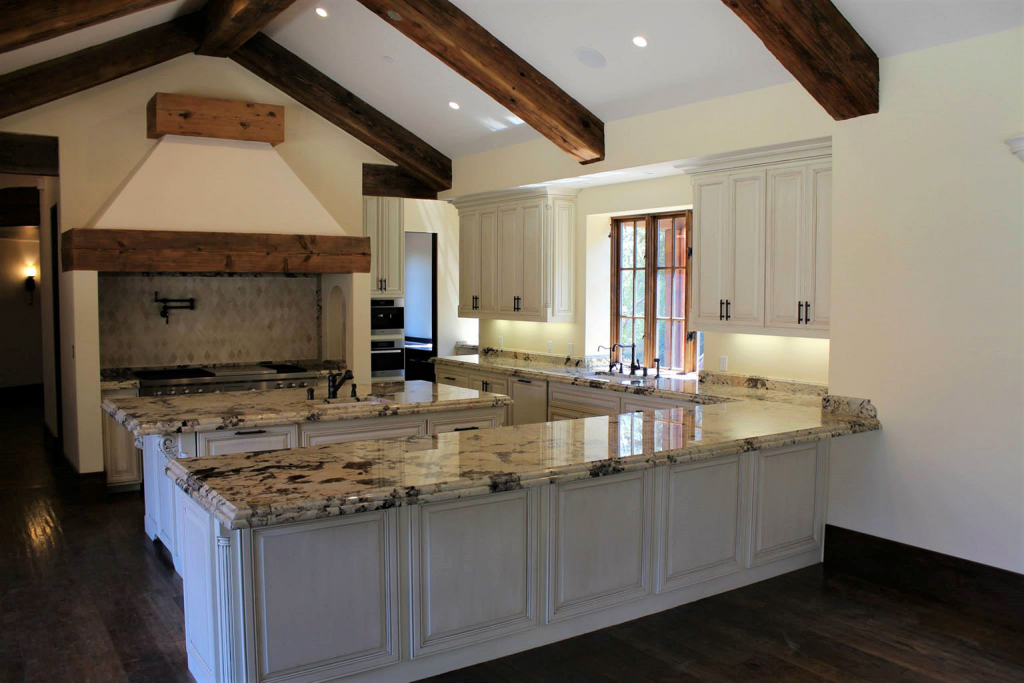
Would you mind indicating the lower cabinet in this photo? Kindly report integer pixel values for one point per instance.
(455, 378)
(343, 431)
(600, 540)
(466, 422)
(474, 570)
(252, 440)
(122, 460)
(567, 402)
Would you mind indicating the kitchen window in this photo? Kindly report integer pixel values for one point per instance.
(650, 290)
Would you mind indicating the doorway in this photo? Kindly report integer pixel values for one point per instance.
(420, 305)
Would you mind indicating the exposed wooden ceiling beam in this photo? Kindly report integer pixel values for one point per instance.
(383, 180)
(816, 43)
(208, 117)
(291, 75)
(19, 207)
(28, 154)
(48, 81)
(32, 21)
(452, 36)
(229, 23)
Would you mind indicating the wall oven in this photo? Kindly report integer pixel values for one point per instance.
(386, 315)
(387, 358)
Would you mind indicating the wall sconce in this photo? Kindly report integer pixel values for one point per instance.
(30, 273)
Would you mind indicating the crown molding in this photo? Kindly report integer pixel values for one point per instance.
(758, 156)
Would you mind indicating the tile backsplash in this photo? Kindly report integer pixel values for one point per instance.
(237, 319)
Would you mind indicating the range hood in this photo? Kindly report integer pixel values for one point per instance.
(206, 205)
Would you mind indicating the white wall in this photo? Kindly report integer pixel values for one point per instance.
(102, 133)
(419, 284)
(422, 215)
(927, 291)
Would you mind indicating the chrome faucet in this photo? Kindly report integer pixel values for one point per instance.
(334, 382)
(633, 365)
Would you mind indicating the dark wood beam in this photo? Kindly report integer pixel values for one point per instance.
(28, 154)
(19, 206)
(816, 43)
(48, 81)
(448, 33)
(229, 23)
(384, 180)
(209, 117)
(31, 21)
(296, 78)
(153, 251)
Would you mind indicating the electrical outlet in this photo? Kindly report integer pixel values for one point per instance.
(723, 363)
(501, 342)
(551, 346)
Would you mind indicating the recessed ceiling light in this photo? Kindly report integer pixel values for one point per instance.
(453, 105)
(590, 57)
(640, 41)
(321, 12)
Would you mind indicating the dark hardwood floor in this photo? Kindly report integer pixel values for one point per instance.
(87, 597)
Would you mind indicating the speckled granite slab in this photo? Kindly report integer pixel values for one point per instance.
(257, 490)
(209, 412)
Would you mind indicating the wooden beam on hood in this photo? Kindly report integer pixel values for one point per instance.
(229, 23)
(45, 82)
(815, 42)
(290, 74)
(451, 35)
(32, 21)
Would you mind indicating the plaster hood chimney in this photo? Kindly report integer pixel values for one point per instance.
(203, 184)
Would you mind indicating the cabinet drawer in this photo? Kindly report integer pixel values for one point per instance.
(248, 440)
(459, 424)
(634, 403)
(344, 431)
(595, 401)
(451, 377)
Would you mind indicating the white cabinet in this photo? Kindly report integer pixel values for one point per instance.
(248, 440)
(466, 421)
(452, 377)
(122, 460)
(567, 402)
(383, 224)
(516, 255)
(762, 241)
(530, 400)
(344, 431)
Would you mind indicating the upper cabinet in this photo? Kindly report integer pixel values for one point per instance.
(762, 240)
(383, 224)
(516, 255)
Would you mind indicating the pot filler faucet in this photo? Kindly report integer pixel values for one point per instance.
(633, 365)
(334, 382)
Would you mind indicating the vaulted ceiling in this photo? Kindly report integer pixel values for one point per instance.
(697, 50)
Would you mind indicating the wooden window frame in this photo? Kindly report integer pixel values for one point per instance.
(650, 286)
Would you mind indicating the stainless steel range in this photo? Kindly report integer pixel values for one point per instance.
(177, 382)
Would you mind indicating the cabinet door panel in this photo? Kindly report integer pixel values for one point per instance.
(371, 229)
(818, 272)
(469, 262)
(393, 239)
(746, 248)
(710, 247)
(533, 249)
(248, 440)
(530, 401)
(487, 260)
(786, 242)
(789, 494)
(473, 570)
(121, 459)
(600, 532)
(344, 431)
(560, 261)
(510, 258)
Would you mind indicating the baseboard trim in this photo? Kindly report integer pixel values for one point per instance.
(953, 580)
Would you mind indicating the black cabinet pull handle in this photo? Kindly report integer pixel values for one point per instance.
(450, 379)
(799, 312)
(385, 288)
(250, 432)
(807, 313)
(525, 381)
(721, 309)
(465, 429)
(727, 304)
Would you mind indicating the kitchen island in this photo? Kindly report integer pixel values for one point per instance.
(397, 559)
(262, 421)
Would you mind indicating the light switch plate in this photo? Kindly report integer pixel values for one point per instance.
(501, 342)
(723, 363)
(551, 346)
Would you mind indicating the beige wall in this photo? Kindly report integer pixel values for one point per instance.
(927, 287)
(423, 215)
(102, 135)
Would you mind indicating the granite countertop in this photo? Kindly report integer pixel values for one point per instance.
(211, 412)
(256, 490)
(124, 378)
(713, 388)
